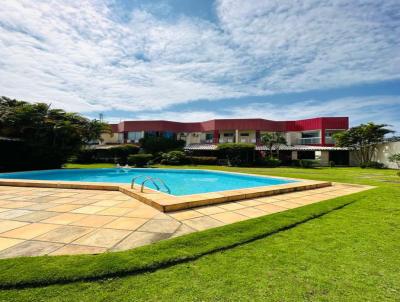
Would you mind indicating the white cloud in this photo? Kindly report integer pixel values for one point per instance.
(78, 56)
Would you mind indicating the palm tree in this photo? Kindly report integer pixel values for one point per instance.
(273, 140)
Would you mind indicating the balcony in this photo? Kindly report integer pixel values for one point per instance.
(310, 141)
(247, 140)
(226, 140)
(329, 140)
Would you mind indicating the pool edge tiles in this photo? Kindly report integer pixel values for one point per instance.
(168, 203)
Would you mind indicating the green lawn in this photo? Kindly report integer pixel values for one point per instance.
(88, 166)
(345, 249)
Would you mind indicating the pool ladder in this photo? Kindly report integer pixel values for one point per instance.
(152, 180)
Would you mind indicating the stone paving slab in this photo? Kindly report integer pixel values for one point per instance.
(157, 199)
(54, 221)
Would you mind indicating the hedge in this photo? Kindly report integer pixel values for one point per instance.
(173, 158)
(117, 154)
(203, 160)
(139, 160)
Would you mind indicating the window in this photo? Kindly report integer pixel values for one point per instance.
(169, 134)
(244, 134)
(135, 136)
(310, 134)
(310, 138)
(228, 134)
(209, 136)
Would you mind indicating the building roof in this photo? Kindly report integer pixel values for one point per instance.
(233, 124)
(211, 147)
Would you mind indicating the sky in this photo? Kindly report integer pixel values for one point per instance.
(194, 60)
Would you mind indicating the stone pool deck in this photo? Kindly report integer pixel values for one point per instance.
(168, 203)
(51, 221)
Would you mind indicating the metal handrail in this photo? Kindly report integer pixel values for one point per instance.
(163, 182)
(152, 180)
(146, 178)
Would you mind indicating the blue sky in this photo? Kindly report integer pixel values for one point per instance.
(192, 60)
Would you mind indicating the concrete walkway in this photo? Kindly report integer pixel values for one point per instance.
(44, 221)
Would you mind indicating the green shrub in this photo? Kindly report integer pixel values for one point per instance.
(395, 158)
(271, 162)
(295, 162)
(139, 160)
(204, 160)
(123, 151)
(237, 154)
(85, 156)
(173, 158)
(308, 163)
(372, 165)
(117, 154)
(159, 144)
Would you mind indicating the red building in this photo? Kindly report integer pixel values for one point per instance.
(315, 131)
(308, 138)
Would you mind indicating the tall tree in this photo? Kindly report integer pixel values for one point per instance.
(362, 140)
(273, 140)
(48, 137)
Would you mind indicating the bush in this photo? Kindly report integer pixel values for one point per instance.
(308, 163)
(173, 158)
(372, 165)
(295, 162)
(204, 160)
(395, 158)
(158, 144)
(122, 152)
(237, 154)
(139, 160)
(118, 154)
(85, 156)
(271, 162)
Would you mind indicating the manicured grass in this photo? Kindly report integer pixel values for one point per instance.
(348, 254)
(89, 166)
(49, 270)
(343, 174)
(376, 177)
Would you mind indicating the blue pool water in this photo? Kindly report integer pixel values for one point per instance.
(180, 182)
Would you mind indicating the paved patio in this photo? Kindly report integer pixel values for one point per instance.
(48, 221)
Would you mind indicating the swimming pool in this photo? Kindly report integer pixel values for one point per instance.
(180, 182)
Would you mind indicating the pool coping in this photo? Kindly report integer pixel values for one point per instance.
(167, 203)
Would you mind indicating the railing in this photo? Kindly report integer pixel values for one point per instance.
(152, 180)
(329, 140)
(309, 140)
(145, 179)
